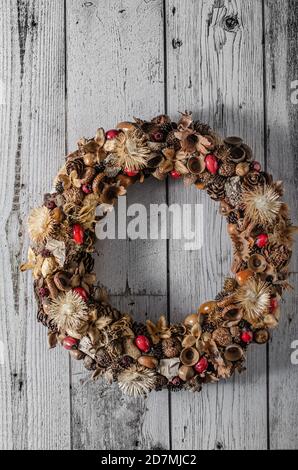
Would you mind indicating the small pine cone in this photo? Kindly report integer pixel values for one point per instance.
(157, 351)
(202, 128)
(160, 382)
(73, 195)
(166, 128)
(222, 336)
(230, 284)
(171, 347)
(172, 141)
(106, 310)
(178, 329)
(44, 320)
(103, 358)
(254, 179)
(205, 178)
(88, 261)
(75, 165)
(227, 169)
(216, 188)
(233, 189)
(59, 187)
(139, 329)
(232, 218)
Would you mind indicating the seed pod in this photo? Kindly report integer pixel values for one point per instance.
(257, 263)
(189, 356)
(261, 336)
(233, 352)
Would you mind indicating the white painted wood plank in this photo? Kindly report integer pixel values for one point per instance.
(115, 72)
(218, 74)
(282, 116)
(34, 391)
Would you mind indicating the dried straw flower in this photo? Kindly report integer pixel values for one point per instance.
(130, 148)
(40, 224)
(136, 380)
(262, 205)
(70, 313)
(254, 298)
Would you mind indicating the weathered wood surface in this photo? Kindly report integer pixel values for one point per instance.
(68, 67)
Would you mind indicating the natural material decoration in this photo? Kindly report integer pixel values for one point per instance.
(208, 345)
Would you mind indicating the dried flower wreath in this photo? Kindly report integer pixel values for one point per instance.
(207, 345)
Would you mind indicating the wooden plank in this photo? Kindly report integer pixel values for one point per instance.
(217, 71)
(34, 391)
(115, 71)
(282, 147)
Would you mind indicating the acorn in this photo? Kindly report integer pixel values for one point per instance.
(189, 356)
(148, 361)
(171, 347)
(243, 276)
(186, 373)
(233, 352)
(242, 168)
(207, 307)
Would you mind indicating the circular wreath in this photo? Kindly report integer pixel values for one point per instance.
(208, 345)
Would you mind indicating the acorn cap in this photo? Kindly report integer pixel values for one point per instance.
(257, 263)
(261, 336)
(232, 313)
(189, 356)
(233, 352)
(196, 165)
(237, 154)
(233, 141)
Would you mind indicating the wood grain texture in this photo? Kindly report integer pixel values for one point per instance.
(115, 71)
(34, 391)
(282, 147)
(217, 71)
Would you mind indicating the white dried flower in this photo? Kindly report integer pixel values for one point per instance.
(40, 224)
(136, 380)
(69, 312)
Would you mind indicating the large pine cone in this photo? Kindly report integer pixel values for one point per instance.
(216, 188)
(171, 347)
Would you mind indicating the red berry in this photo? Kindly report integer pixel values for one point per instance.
(143, 343)
(112, 134)
(78, 234)
(246, 336)
(87, 188)
(273, 304)
(176, 381)
(256, 166)
(175, 174)
(44, 292)
(262, 240)
(201, 365)
(129, 172)
(211, 164)
(81, 292)
(70, 343)
(157, 136)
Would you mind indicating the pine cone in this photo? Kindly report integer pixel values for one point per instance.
(139, 329)
(87, 260)
(172, 141)
(202, 128)
(216, 188)
(227, 169)
(279, 256)
(103, 359)
(205, 178)
(59, 187)
(106, 310)
(157, 351)
(44, 320)
(74, 195)
(160, 382)
(222, 336)
(230, 284)
(232, 218)
(233, 189)
(77, 165)
(171, 347)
